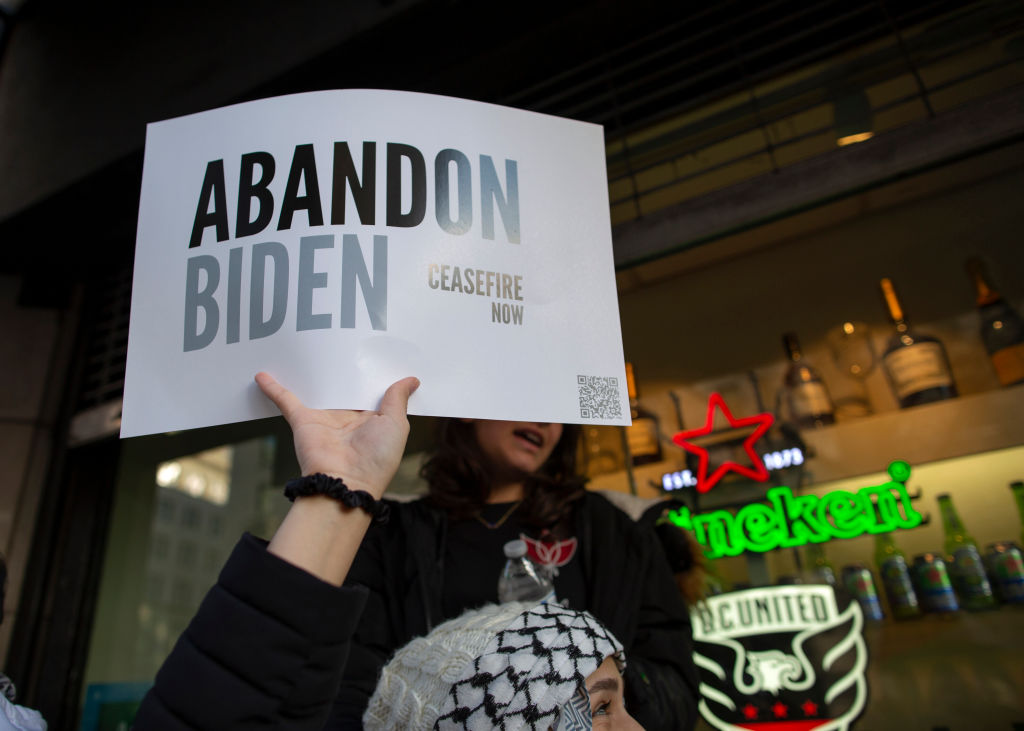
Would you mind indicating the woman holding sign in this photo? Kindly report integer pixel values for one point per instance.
(491, 482)
(266, 648)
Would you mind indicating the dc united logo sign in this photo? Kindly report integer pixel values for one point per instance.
(782, 658)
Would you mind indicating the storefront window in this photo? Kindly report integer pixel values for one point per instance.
(176, 519)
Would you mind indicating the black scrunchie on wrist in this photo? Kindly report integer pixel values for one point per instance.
(334, 487)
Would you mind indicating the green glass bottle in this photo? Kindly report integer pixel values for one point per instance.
(895, 575)
(1018, 494)
(965, 567)
(818, 565)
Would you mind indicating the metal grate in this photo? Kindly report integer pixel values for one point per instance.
(107, 344)
(737, 90)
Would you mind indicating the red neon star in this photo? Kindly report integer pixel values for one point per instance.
(809, 707)
(750, 712)
(779, 709)
(757, 469)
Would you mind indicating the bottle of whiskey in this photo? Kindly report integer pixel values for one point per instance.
(807, 399)
(1002, 329)
(916, 364)
(965, 566)
(644, 436)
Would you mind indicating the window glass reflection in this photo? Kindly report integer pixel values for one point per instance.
(174, 524)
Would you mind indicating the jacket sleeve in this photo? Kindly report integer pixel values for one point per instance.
(265, 650)
(373, 640)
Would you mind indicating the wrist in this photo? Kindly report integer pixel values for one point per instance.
(321, 484)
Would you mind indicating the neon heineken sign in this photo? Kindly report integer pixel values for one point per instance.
(789, 520)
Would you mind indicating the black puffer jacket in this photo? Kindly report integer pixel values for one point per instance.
(629, 588)
(264, 651)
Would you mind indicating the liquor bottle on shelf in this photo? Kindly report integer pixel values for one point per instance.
(895, 576)
(1002, 329)
(819, 568)
(916, 364)
(806, 397)
(644, 435)
(965, 566)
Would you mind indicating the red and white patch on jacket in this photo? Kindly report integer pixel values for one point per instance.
(550, 553)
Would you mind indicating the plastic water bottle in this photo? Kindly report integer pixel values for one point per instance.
(520, 581)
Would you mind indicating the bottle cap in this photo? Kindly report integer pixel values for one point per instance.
(515, 549)
(942, 496)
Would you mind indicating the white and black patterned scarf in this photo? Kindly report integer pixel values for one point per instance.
(529, 671)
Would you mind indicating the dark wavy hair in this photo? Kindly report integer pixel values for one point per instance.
(459, 479)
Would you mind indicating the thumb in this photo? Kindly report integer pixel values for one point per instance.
(395, 402)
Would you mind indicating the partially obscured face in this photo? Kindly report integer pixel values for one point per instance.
(516, 448)
(607, 707)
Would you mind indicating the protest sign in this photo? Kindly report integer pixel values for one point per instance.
(341, 240)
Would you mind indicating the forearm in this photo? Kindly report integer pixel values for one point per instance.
(320, 536)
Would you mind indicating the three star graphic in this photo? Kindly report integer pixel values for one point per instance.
(780, 710)
(757, 471)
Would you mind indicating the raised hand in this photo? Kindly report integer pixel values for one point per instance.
(363, 448)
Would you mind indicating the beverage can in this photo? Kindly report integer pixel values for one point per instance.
(931, 581)
(899, 589)
(969, 580)
(859, 583)
(1004, 562)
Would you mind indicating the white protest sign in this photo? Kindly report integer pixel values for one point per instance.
(341, 240)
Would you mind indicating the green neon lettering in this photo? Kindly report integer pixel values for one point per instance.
(715, 530)
(882, 506)
(681, 517)
(790, 520)
(804, 525)
(894, 496)
(899, 471)
(848, 519)
(757, 528)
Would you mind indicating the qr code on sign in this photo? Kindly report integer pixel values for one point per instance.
(599, 397)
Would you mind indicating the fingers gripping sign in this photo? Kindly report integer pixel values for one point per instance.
(363, 448)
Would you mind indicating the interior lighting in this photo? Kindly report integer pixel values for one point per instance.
(194, 484)
(853, 118)
(168, 473)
